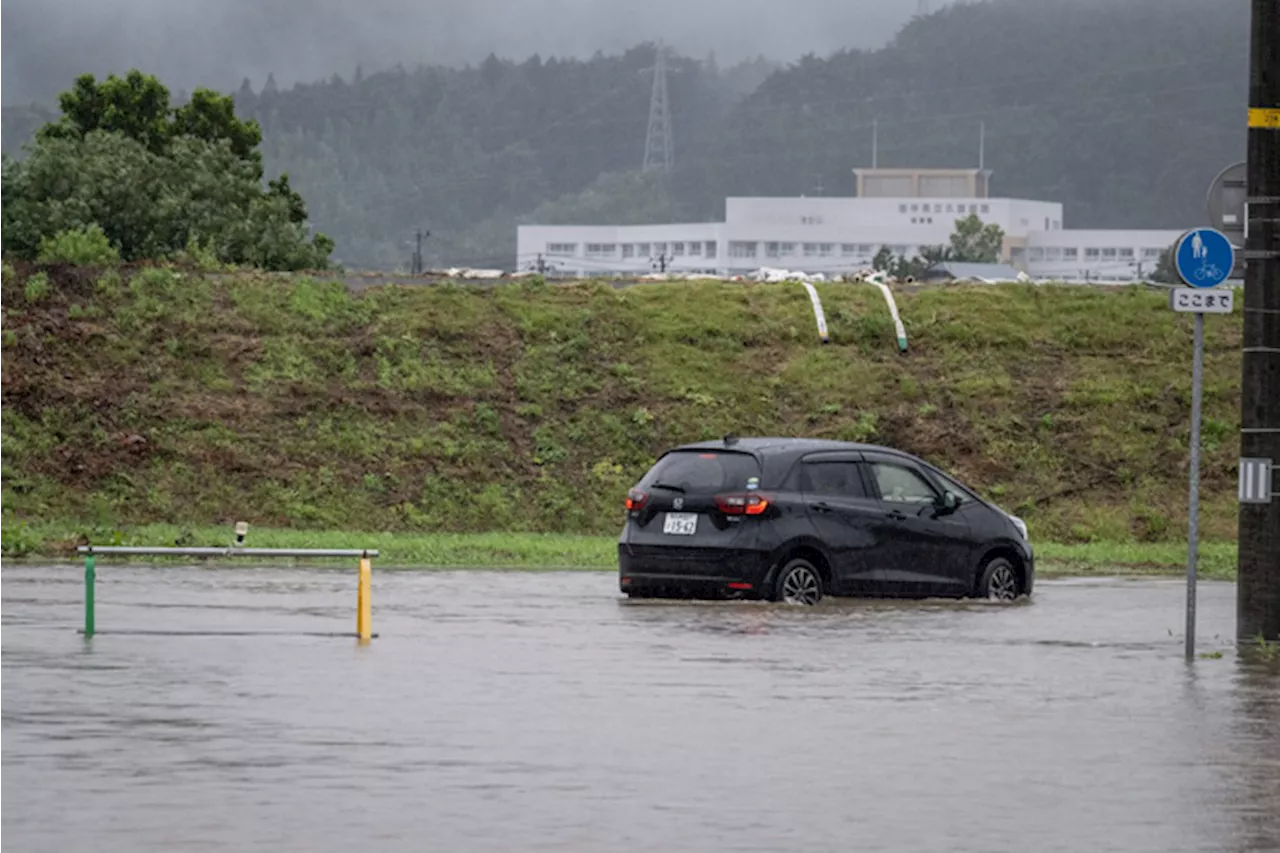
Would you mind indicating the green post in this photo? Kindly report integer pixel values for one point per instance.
(89, 577)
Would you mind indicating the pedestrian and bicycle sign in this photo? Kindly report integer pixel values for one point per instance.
(1204, 257)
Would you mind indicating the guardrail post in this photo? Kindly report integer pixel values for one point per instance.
(90, 578)
(364, 607)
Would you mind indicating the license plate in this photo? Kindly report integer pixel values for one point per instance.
(680, 523)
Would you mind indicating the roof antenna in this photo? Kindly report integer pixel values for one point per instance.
(730, 438)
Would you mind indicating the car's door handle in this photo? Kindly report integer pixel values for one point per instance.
(821, 506)
(898, 515)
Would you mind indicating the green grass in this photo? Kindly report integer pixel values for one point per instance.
(135, 397)
(534, 551)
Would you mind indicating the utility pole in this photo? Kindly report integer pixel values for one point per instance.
(417, 252)
(1258, 590)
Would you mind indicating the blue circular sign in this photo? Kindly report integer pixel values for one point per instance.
(1204, 257)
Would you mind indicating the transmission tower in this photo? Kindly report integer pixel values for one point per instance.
(658, 153)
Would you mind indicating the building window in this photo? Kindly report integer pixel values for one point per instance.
(642, 250)
(562, 249)
(677, 249)
(1090, 254)
(1151, 254)
(787, 250)
(986, 208)
(1126, 254)
(628, 250)
(973, 208)
(601, 250)
(741, 249)
(1017, 253)
(950, 208)
(811, 220)
(695, 248)
(937, 208)
(848, 250)
(1052, 253)
(866, 249)
(711, 249)
(902, 208)
(826, 250)
(811, 250)
(1108, 254)
(1035, 253)
(1070, 253)
(915, 208)
(771, 250)
(659, 248)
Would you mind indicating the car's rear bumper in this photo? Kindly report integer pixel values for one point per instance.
(712, 572)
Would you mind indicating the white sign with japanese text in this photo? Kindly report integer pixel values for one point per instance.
(1191, 300)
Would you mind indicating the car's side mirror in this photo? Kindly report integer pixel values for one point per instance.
(950, 500)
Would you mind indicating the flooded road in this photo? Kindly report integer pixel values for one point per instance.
(501, 712)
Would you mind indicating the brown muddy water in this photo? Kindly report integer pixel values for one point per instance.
(529, 711)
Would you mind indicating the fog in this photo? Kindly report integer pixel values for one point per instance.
(46, 43)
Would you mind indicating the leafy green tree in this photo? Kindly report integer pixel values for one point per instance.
(155, 180)
(975, 242)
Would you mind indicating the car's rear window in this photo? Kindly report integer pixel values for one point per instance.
(704, 472)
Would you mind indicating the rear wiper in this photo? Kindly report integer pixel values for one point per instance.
(668, 487)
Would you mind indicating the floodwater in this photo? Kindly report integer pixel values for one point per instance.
(524, 711)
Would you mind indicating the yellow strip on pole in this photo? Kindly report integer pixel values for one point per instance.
(1266, 118)
(364, 607)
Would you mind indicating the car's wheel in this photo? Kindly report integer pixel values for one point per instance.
(999, 581)
(800, 583)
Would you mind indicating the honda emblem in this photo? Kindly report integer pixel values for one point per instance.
(678, 503)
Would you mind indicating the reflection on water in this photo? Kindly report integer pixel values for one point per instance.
(540, 712)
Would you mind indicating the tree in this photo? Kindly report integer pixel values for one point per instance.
(974, 242)
(1165, 271)
(154, 180)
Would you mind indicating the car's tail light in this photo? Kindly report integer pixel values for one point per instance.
(748, 504)
(636, 499)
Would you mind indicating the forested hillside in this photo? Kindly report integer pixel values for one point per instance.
(1123, 111)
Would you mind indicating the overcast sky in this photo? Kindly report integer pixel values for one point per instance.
(217, 43)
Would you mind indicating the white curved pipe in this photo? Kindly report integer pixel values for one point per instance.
(893, 311)
(818, 314)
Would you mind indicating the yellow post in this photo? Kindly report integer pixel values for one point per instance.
(364, 608)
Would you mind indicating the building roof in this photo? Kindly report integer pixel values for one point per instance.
(961, 271)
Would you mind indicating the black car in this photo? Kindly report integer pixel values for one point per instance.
(794, 519)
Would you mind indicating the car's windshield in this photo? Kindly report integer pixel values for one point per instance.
(702, 472)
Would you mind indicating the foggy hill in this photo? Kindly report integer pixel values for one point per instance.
(1124, 112)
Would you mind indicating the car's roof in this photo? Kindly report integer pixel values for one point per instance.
(767, 446)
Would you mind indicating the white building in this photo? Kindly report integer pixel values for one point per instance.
(902, 209)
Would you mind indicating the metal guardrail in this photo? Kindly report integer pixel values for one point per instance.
(364, 608)
(226, 552)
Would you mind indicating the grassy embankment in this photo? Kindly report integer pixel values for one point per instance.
(151, 398)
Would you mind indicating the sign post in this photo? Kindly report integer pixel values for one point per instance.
(1204, 259)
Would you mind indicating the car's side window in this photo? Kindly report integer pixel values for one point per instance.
(899, 484)
(833, 479)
